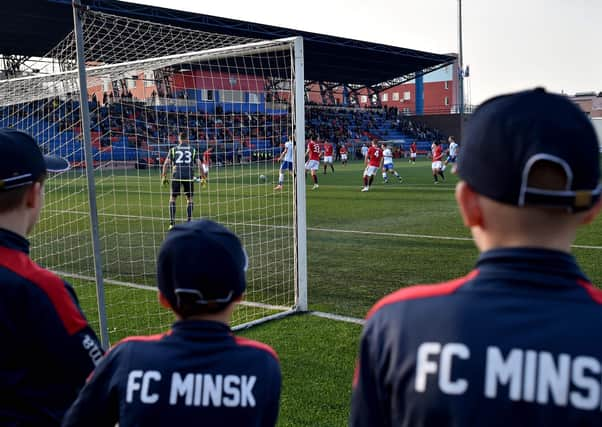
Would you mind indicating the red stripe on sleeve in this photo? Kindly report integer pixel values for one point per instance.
(155, 337)
(356, 373)
(250, 343)
(52, 285)
(594, 293)
(422, 291)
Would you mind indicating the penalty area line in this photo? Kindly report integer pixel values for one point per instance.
(317, 229)
(380, 233)
(417, 236)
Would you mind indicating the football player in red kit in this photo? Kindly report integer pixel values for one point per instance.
(313, 163)
(328, 151)
(437, 165)
(373, 161)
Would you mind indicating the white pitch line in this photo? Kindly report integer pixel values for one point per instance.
(419, 236)
(109, 281)
(586, 247)
(338, 317)
(154, 289)
(443, 187)
(377, 233)
(318, 229)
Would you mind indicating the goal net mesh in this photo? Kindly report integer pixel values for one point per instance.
(231, 99)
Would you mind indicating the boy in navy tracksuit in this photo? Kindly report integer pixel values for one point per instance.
(198, 373)
(48, 349)
(517, 341)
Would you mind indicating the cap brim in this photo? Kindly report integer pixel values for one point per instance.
(56, 164)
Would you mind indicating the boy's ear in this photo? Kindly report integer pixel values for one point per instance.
(33, 196)
(163, 301)
(592, 213)
(469, 204)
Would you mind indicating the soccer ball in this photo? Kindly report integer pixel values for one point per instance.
(263, 178)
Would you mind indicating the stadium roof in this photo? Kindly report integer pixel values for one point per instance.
(34, 27)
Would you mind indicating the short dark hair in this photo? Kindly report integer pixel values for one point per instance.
(12, 199)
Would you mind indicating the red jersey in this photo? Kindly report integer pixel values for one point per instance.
(328, 149)
(343, 150)
(413, 147)
(437, 153)
(207, 157)
(314, 150)
(374, 155)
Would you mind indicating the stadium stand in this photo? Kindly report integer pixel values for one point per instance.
(127, 129)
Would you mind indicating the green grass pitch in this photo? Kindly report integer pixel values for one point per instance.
(361, 246)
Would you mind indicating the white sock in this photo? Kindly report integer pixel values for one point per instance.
(385, 176)
(280, 179)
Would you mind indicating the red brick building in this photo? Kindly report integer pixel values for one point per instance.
(440, 94)
(590, 103)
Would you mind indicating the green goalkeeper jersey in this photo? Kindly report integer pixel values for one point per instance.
(183, 159)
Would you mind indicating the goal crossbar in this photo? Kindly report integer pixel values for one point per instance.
(32, 88)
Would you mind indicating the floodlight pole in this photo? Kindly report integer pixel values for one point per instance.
(460, 65)
(85, 118)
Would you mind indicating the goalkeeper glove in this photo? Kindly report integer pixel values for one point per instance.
(164, 181)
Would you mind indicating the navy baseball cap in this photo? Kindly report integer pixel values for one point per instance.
(22, 161)
(509, 134)
(203, 261)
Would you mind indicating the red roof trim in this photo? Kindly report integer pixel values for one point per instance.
(251, 343)
(52, 285)
(422, 291)
(594, 293)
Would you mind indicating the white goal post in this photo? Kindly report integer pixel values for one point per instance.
(235, 101)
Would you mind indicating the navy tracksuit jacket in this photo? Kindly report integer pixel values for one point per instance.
(517, 342)
(48, 349)
(198, 374)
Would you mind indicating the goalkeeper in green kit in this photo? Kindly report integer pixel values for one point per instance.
(183, 158)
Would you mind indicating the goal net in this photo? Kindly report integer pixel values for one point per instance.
(232, 100)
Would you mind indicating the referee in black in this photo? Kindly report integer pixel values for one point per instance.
(48, 348)
(517, 341)
(198, 373)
